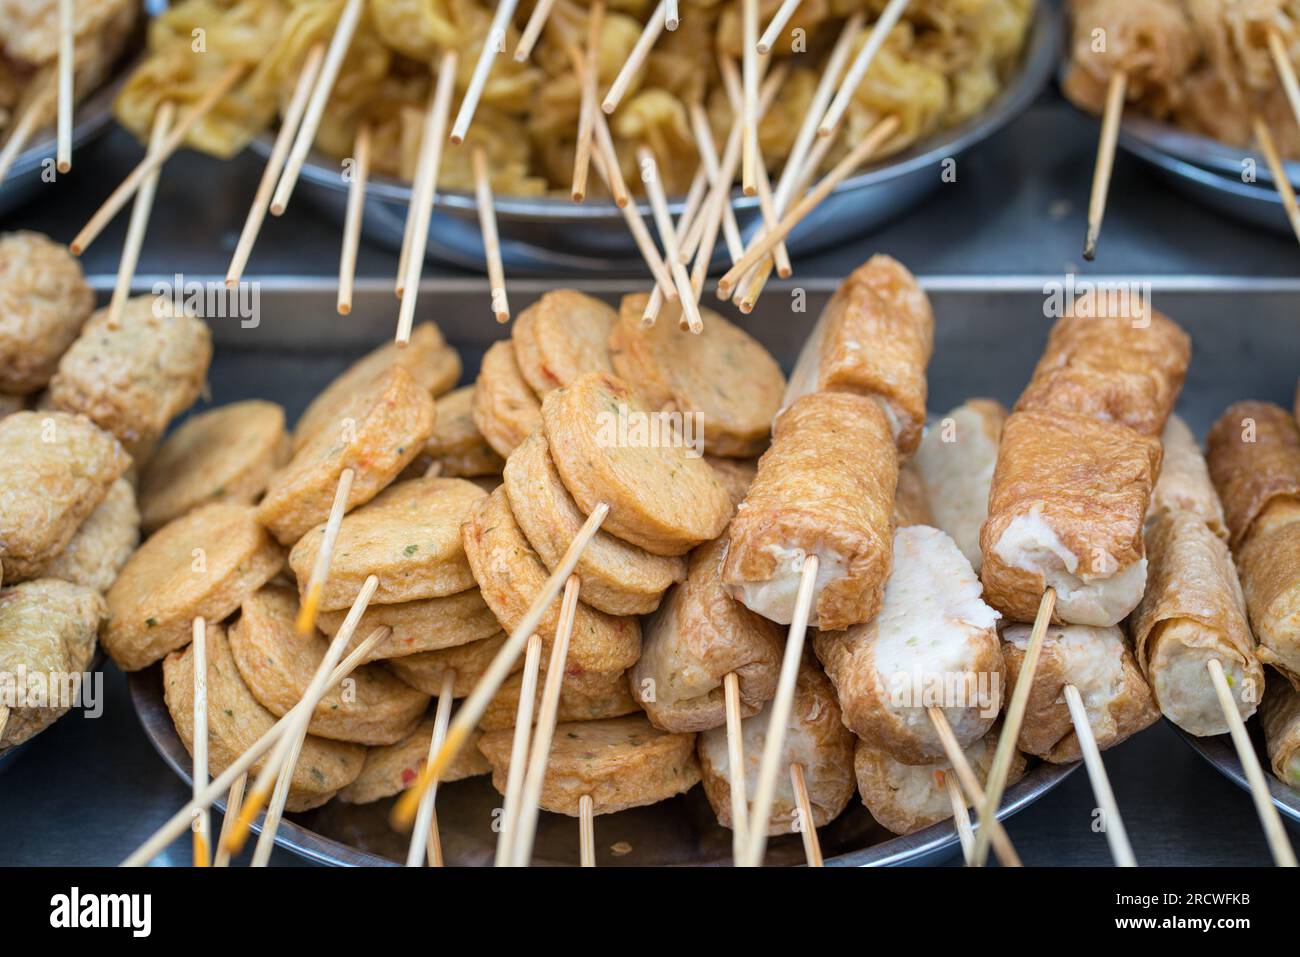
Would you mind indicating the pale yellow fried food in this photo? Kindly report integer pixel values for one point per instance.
(456, 444)
(1184, 484)
(561, 336)
(44, 302)
(504, 408)
(427, 669)
(393, 768)
(735, 475)
(911, 504)
(1253, 452)
(102, 544)
(611, 698)
(425, 625)
(1280, 716)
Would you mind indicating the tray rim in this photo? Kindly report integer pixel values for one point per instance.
(1218, 752)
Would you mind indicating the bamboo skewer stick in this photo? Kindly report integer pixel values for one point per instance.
(586, 831)
(671, 18)
(1281, 181)
(605, 148)
(880, 31)
(812, 848)
(707, 149)
(22, 132)
(654, 188)
(419, 186)
(66, 68)
(426, 842)
(736, 767)
(776, 25)
(1105, 164)
(770, 217)
(694, 199)
(234, 802)
(202, 827)
(588, 108)
(352, 222)
(1116, 835)
(4, 718)
(533, 30)
(139, 222)
(496, 34)
(307, 612)
(960, 817)
(1002, 846)
(518, 766)
(636, 59)
(636, 226)
(749, 63)
(1285, 69)
(487, 224)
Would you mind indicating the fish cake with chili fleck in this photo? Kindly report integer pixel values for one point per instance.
(561, 336)
(503, 406)
(393, 768)
(456, 443)
(428, 624)
(612, 699)
(426, 670)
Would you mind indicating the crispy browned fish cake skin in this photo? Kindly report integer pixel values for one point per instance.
(617, 577)
(1269, 564)
(226, 454)
(456, 443)
(236, 720)
(723, 375)
(660, 498)
(429, 624)
(1184, 484)
(378, 432)
(1280, 718)
(510, 576)
(103, 543)
(44, 302)
(278, 665)
(561, 336)
(394, 767)
(55, 469)
(503, 406)
(911, 502)
(735, 475)
(408, 535)
(1251, 474)
(425, 671)
(158, 593)
(619, 762)
(612, 700)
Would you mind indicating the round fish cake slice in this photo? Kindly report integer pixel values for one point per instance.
(44, 302)
(47, 631)
(55, 469)
(369, 707)
(236, 720)
(378, 430)
(103, 543)
(723, 376)
(510, 576)
(432, 363)
(408, 535)
(660, 496)
(612, 700)
(425, 625)
(736, 475)
(456, 443)
(206, 563)
(617, 576)
(619, 762)
(393, 768)
(503, 407)
(561, 336)
(426, 670)
(226, 454)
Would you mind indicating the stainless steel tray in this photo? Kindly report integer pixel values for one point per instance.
(550, 235)
(1222, 756)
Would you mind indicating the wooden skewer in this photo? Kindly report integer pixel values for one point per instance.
(419, 185)
(636, 59)
(496, 33)
(1285, 69)
(471, 711)
(275, 808)
(654, 188)
(960, 816)
(140, 212)
(202, 827)
(776, 25)
(765, 793)
(126, 189)
(67, 66)
(1116, 835)
(426, 843)
(422, 203)
(234, 801)
(671, 19)
(352, 223)
(1105, 165)
(1002, 847)
(306, 622)
(1014, 715)
(868, 145)
(880, 31)
(749, 62)
(487, 223)
(22, 132)
(4, 718)
(1274, 832)
(707, 150)
(694, 198)
(275, 163)
(812, 848)
(518, 766)
(605, 148)
(770, 216)
(636, 226)
(533, 30)
(320, 94)
(736, 767)
(586, 831)
(1280, 179)
(587, 109)
(231, 777)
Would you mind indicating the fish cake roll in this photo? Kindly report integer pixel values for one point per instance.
(456, 444)
(825, 488)
(660, 496)
(815, 739)
(874, 338)
(55, 469)
(698, 636)
(735, 475)
(427, 669)
(956, 460)
(905, 798)
(429, 624)
(1269, 564)
(911, 504)
(1097, 661)
(1184, 484)
(618, 762)
(102, 544)
(505, 410)
(44, 302)
(1066, 508)
(611, 698)
(560, 337)
(1280, 716)
(933, 644)
(1253, 451)
(393, 768)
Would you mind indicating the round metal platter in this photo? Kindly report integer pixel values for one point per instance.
(1222, 756)
(679, 832)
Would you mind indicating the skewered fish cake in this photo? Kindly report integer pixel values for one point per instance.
(610, 699)
(735, 475)
(429, 624)
(456, 444)
(1280, 716)
(911, 503)
(102, 544)
(1253, 453)
(44, 302)
(394, 767)
(426, 669)
(1184, 483)
(503, 406)
(560, 337)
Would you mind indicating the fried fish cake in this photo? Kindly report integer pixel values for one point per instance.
(736, 475)
(226, 454)
(456, 444)
(429, 624)
(10, 404)
(562, 336)
(426, 670)
(612, 699)
(660, 496)
(1253, 455)
(206, 563)
(55, 469)
(1184, 484)
(236, 720)
(393, 768)
(103, 543)
(619, 763)
(380, 428)
(47, 636)
(134, 379)
(722, 376)
(369, 707)
(503, 406)
(44, 302)
(617, 576)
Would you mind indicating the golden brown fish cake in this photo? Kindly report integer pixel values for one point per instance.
(47, 632)
(617, 576)
(722, 376)
(205, 563)
(393, 768)
(432, 363)
(1184, 484)
(510, 576)
(134, 379)
(379, 429)
(911, 503)
(503, 406)
(44, 302)
(612, 700)
(660, 496)
(236, 720)
(408, 535)
(426, 670)
(560, 337)
(225, 454)
(1269, 564)
(1253, 454)
(370, 706)
(102, 544)
(618, 762)
(735, 475)
(55, 469)
(429, 624)
(456, 444)
(1280, 718)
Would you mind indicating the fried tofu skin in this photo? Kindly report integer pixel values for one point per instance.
(1184, 484)
(44, 302)
(103, 543)
(1253, 451)
(1269, 564)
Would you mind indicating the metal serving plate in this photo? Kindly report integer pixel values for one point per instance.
(1198, 150)
(550, 235)
(1222, 756)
